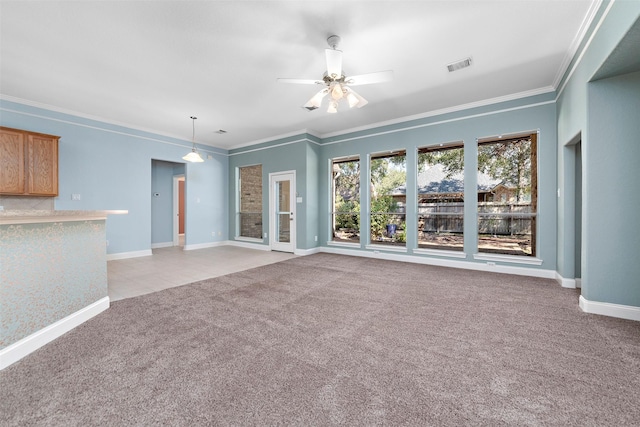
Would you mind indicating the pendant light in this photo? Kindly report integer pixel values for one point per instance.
(193, 156)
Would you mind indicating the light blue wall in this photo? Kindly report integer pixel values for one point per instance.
(162, 201)
(529, 114)
(602, 114)
(611, 271)
(297, 153)
(310, 157)
(110, 167)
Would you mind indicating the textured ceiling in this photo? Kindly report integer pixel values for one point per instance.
(152, 64)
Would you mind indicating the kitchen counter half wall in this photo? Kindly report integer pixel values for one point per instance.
(53, 276)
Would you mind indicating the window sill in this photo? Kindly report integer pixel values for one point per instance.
(386, 248)
(440, 252)
(513, 259)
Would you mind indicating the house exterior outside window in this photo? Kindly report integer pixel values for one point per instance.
(388, 179)
(441, 197)
(507, 195)
(345, 184)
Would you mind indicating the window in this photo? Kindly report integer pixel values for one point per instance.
(345, 181)
(441, 197)
(507, 195)
(250, 202)
(388, 186)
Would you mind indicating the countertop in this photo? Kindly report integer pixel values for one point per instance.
(32, 216)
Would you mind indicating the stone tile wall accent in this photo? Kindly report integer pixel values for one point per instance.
(251, 201)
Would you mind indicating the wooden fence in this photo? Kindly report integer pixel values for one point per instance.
(493, 218)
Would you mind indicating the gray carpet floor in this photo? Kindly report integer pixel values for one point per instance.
(336, 340)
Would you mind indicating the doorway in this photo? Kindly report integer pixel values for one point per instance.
(165, 200)
(282, 204)
(178, 210)
(577, 151)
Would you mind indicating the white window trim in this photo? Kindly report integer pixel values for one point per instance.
(389, 248)
(511, 259)
(343, 244)
(440, 252)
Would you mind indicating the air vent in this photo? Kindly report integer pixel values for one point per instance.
(221, 131)
(454, 66)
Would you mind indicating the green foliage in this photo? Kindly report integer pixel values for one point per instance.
(452, 160)
(507, 161)
(510, 162)
(347, 213)
(401, 234)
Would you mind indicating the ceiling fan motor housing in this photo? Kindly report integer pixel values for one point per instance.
(333, 41)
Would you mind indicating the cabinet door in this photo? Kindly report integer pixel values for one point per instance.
(42, 165)
(11, 162)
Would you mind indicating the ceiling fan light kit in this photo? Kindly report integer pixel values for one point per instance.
(337, 86)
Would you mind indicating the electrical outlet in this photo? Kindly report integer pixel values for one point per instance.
(315, 238)
(76, 196)
(265, 235)
(219, 233)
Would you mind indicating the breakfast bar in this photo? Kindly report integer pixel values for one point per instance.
(53, 275)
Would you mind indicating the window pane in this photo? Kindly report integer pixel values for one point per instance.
(441, 197)
(388, 199)
(507, 196)
(346, 200)
(250, 197)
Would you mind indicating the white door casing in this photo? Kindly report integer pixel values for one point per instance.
(282, 211)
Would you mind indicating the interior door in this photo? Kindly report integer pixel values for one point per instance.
(282, 224)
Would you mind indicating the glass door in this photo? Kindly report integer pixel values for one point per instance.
(282, 207)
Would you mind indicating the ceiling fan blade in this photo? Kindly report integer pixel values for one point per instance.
(334, 63)
(354, 99)
(301, 81)
(365, 79)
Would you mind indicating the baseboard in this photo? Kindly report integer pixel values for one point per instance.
(304, 252)
(566, 283)
(248, 245)
(161, 245)
(125, 255)
(28, 345)
(507, 269)
(205, 245)
(628, 312)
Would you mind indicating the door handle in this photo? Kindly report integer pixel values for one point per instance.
(290, 216)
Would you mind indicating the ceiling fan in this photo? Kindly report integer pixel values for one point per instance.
(336, 84)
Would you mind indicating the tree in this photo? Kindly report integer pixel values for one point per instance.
(387, 174)
(508, 161)
(346, 179)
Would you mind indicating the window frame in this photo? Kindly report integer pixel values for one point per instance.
(453, 251)
(533, 215)
(332, 201)
(239, 205)
(393, 245)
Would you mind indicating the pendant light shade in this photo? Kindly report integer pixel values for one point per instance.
(193, 156)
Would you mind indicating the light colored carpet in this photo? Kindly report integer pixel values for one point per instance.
(336, 340)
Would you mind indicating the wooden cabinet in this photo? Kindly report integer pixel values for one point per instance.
(28, 163)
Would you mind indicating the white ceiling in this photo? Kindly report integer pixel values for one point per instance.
(152, 64)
